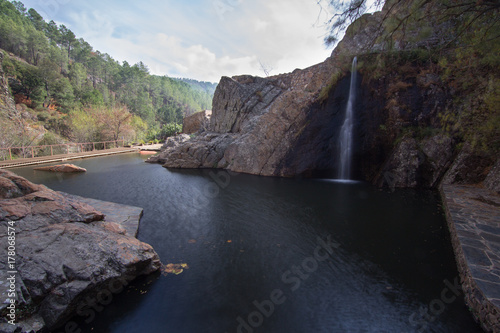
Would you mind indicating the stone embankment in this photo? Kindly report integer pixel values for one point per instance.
(66, 252)
(473, 216)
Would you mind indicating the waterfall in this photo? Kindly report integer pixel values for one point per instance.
(346, 145)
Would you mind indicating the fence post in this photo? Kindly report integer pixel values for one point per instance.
(93, 146)
(32, 153)
(10, 153)
(51, 153)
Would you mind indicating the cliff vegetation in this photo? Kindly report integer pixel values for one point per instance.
(66, 90)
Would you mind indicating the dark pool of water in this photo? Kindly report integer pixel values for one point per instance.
(257, 263)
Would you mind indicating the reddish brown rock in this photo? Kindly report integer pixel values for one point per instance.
(196, 122)
(67, 168)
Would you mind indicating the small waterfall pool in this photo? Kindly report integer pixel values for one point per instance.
(275, 255)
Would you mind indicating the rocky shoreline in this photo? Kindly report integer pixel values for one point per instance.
(66, 252)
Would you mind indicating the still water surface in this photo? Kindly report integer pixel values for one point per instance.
(275, 255)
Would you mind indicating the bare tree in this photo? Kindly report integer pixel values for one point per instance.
(114, 121)
(266, 68)
(465, 15)
(16, 132)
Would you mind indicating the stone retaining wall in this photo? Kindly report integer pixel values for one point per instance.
(473, 219)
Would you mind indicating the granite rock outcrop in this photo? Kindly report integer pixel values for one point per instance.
(196, 122)
(7, 104)
(66, 251)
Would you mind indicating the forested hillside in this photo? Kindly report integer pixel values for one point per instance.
(75, 92)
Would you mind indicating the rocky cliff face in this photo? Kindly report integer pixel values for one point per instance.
(255, 123)
(196, 122)
(66, 253)
(288, 125)
(7, 104)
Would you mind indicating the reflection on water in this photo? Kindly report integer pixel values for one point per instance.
(258, 253)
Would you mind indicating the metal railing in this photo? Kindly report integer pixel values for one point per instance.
(13, 153)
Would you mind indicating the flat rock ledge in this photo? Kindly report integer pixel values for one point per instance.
(473, 216)
(69, 250)
(66, 168)
(128, 217)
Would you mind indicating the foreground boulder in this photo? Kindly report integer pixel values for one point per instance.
(67, 168)
(66, 253)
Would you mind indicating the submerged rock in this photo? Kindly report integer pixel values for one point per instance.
(67, 168)
(66, 253)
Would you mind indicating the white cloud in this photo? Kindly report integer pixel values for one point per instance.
(201, 39)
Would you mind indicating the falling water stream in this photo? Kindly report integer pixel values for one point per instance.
(346, 130)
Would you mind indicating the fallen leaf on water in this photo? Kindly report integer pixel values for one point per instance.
(174, 268)
(229, 241)
(192, 241)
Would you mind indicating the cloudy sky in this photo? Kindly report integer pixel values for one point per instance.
(199, 39)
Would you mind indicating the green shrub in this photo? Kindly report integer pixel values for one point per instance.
(325, 92)
(43, 116)
(170, 129)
